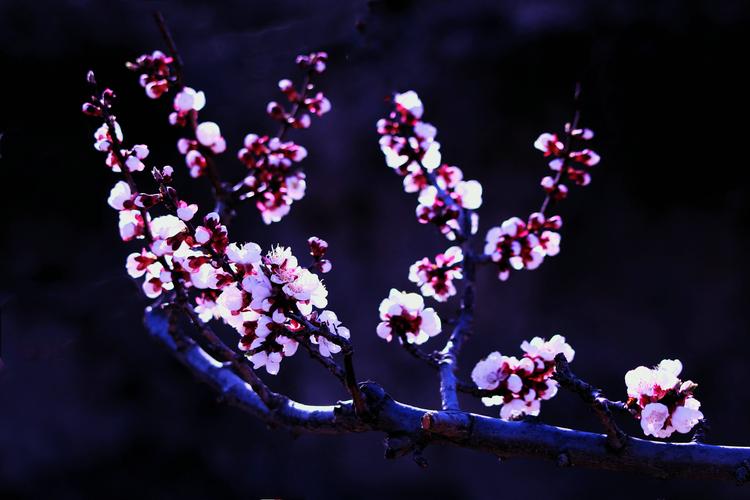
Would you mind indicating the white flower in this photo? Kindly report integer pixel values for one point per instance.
(549, 349)
(518, 407)
(230, 298)
(130, 224)
(410, 101)
(246, 254)
(470, 193)
(141, 151)
(119, 194)
(187, 212)
(166, 226)
(432, 157)
(205, 277)
(209, 135)
(308, 290)
(684, 418)
(393, 158)
(487, 373)
(670, 366)
(514, 383)
(134, 164)
(329, 320)
(653, 418)
(404, 314)
(654, 382)
(188, 100)
(272, 361)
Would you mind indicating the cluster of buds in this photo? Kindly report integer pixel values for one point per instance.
(317, 105)
(519, 245)
(435, 279)
(155, 72)
(318, 250)
(273, 180)
(404, 316)
(661, 401)
(187, 102)
(575, 162)
(520, 385)
(156, 77)
(208, 140)
(411, 150)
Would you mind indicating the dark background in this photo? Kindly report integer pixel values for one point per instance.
(654, 251)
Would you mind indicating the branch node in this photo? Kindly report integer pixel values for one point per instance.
(451, 424)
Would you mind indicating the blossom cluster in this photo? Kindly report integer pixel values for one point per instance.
(662, 402)
(273, 179)
(520, 385)
(157, 76)
(411, 150)
(404, 316)
(516, 244)
(155, 72)
(270, 300)
(435, 279)
(575, 162)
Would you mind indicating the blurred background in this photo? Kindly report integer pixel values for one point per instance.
(653, 262)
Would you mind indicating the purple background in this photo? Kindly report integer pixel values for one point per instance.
(653, 260)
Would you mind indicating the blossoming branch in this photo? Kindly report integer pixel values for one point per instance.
(191, 269)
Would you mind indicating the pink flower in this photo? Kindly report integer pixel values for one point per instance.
(131, 224)
(137, 263)
(519, 385)
(436, 279)
(663, 403)
(403, 315)
(245, 254)
(329, 320)
(186, 212)
(653, 419)
(120, 197)
(189, 100)
(518, 245)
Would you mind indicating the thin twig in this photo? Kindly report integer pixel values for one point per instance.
(566, 151)
(616, 438)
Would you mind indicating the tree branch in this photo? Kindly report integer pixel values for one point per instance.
(448, 356)
(413, 427)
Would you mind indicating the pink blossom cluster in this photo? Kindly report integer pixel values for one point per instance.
(269, 299)
(155, 72)
(208, 141)
(105, 141)
(156, 76)
(576, 162)
(435, 279)
(404, 316)
(411, 150)
(516, 244)
(661, 401)
(520, 385)
(274, 180)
